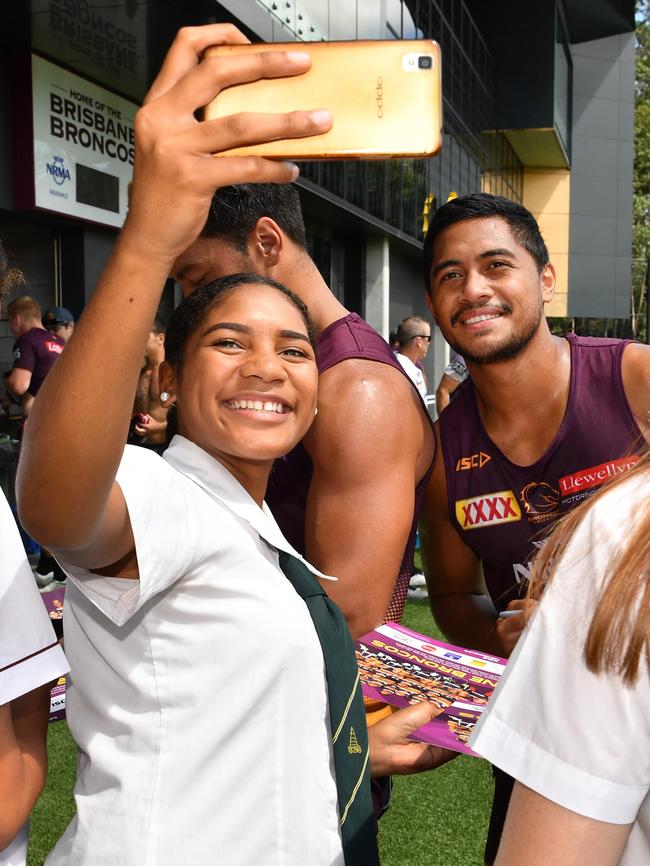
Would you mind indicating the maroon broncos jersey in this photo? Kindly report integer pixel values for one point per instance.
(504, 511)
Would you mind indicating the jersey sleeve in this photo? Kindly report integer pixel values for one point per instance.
(164, 534)
(24, 354)
(30, 655)
(577, 738)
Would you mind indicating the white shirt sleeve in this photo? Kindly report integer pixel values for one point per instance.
(29, 653)
(155, 497)
(581, 740)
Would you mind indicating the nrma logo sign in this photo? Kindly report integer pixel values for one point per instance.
(57, 170)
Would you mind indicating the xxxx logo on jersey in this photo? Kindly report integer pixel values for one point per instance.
(490, 509)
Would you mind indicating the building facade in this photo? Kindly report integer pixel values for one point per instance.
(538, 106)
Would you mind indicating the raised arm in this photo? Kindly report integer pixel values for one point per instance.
(365, 445)
(96, 377)
(457, 593)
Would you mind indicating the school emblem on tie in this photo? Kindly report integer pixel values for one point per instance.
(353, 746)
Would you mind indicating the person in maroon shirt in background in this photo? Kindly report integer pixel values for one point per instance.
(540, 424)
(35, 351)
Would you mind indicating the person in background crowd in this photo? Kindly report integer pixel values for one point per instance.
(30, 659)
(35, 349)
(453, 375)
(60, 322)
(582, 795)
(180, 579)
(540, 424)
(413, 338)
(151, 422)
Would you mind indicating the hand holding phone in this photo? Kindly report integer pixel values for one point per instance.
(175, 172)
(385, 98)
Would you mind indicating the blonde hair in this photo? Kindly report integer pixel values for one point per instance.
(24, 306)
(617, 639)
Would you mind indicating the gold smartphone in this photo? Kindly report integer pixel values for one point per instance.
(385, 98)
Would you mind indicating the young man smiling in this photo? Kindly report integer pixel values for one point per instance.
(540, 424)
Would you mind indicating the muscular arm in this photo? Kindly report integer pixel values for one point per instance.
(23, 759)
(635, 369)
(18, 381)
(368, 443)
(457, 594)
(538, 832)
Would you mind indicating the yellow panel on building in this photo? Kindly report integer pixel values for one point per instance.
(547, 194)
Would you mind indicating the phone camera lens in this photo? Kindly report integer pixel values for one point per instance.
(425, 62)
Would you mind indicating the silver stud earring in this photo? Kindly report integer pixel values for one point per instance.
(164, 396)
(316, 411)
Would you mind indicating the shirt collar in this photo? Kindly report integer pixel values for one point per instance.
(195, 463)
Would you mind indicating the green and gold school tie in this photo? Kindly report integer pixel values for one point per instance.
(347, 716)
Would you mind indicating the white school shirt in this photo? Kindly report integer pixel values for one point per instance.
(198, 696)
(413, 372)
(29, 653)
(581, 740)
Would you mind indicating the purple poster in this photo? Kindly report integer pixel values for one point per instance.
(401, 667)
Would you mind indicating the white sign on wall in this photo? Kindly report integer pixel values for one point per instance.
(83, 146)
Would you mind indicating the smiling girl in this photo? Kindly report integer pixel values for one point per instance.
(198, 697)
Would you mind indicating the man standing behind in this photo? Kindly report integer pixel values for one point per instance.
(59, 321)
(35, 349)
(542, 422)
(414, 337)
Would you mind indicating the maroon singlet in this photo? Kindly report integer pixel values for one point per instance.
(501, 510)
(349, 337)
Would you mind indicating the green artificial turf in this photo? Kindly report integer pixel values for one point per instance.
(55, 807)
(436, 819)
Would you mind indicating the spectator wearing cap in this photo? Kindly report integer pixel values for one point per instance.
(60, 322)
(35, 349)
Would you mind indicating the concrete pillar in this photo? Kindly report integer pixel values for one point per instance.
(377, 284)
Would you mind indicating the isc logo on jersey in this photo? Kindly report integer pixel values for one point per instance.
(474, 461)
(491, 509)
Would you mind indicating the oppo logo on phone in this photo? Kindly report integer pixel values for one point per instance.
(393, 109)
(379, 96)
